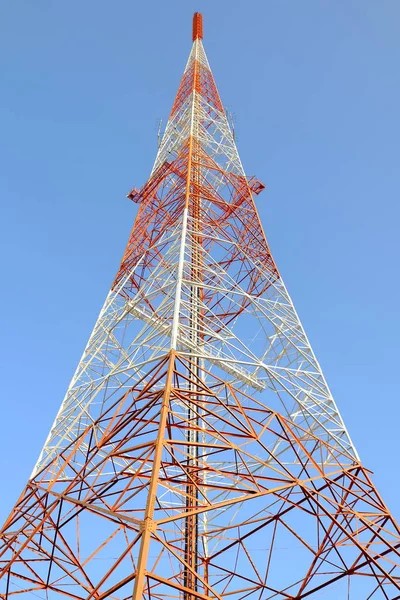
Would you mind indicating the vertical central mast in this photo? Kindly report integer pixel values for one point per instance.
(193, 204)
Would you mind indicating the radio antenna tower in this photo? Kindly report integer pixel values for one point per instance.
(198, 453)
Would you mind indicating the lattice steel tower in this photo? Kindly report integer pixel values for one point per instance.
(198, 452)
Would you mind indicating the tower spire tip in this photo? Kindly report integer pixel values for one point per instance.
(197, 26)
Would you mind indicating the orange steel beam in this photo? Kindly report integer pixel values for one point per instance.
(148, 524)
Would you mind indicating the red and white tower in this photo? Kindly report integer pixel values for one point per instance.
(198, 452)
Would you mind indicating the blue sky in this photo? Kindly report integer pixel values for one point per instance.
(315, 89)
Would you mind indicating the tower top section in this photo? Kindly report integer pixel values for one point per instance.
(197, 26)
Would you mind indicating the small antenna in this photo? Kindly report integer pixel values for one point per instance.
(159, 136)
(197, 26)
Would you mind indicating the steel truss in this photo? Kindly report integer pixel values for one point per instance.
(198, 437)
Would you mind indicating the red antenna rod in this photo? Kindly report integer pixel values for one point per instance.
(197, 26)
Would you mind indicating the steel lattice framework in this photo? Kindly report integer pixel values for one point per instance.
(198, 438)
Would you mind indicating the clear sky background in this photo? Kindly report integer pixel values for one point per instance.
(315, 88)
